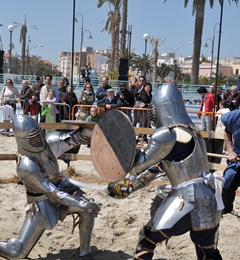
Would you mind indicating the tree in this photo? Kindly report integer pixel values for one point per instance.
(155, 43)
(163, 70)
(138, 63)
(198, 8)
(23, 35)
(124, 28)
(112, 26)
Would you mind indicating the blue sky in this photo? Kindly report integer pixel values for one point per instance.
(160, 20)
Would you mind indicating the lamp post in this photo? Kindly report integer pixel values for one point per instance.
(73, 31)
(11, 29)
(206, 46)
(175, 51)
(145, 37)
(218, 55)
(90, 38)
(212, 51)
(28, 53)
(81, 41)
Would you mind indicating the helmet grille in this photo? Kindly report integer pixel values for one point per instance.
(36, 137)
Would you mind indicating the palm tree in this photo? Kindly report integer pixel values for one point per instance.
(137, 63)
(155, 43)
(163, 70)
(124, 28)
(198, 8)
(112, 26)
(23, 35)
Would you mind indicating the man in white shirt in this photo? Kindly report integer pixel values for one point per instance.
(7, 114)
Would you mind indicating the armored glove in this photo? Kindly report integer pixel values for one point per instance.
(121, 189)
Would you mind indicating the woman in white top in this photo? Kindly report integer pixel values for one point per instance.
(220, 128)
(9, 93)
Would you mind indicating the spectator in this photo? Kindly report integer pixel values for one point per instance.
(231, 174)
(207, 105)
(62, 89)
(71, 100)
(220, 128)
(94, 116)
(138, 89)
(110, 101)
(144, 96)
(33, 107)
(25, 95)
(36, 88)
(9, 93)
(125, 96)
(238, 84)
(7, 114)
(227, 96)
(50, 110)
(88, 96)
(235, 100)
(102, 90)
(45, 90)
(218, 97)
(81, 114)
(66, 81)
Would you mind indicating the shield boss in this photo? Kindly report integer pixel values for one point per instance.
(113, 146)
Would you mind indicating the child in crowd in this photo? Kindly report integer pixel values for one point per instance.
(7, 114)
(50, 110)
(94, 116)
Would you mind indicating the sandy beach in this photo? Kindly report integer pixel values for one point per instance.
(116, 229)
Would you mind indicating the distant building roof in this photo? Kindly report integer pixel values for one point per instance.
(7, 55)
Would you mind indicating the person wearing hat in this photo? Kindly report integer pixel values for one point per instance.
(110, 101)
(207, 105)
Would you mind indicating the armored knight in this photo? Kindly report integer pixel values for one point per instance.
(50, 197)
(192, 202)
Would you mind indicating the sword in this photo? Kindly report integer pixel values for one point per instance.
(84, 184)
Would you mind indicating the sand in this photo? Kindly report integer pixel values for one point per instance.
(116, 229)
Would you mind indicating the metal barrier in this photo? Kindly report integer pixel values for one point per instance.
(19, 109)
(129, 111)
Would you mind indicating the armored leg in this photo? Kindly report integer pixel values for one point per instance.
(206, 244)
(86, 224)
(150, 237)
(18, 248)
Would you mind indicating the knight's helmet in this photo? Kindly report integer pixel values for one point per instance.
(28, 134)
(167, 107)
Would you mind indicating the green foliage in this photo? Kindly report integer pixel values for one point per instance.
(113, 75)
(203, 80)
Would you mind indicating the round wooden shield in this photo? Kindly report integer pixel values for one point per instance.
(113, 146)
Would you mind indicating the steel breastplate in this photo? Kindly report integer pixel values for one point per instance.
(192, 166)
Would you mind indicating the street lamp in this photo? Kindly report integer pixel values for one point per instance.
(145, 37)
(28, 52)
(81, 40)
(175, 51)
(73, 31)
(206, 46)
(212, 51)
(11, 29)
(90, 38)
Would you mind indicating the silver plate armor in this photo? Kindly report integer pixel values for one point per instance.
(49, 197)
(190, 192)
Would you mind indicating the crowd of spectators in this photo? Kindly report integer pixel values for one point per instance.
(37, 103)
